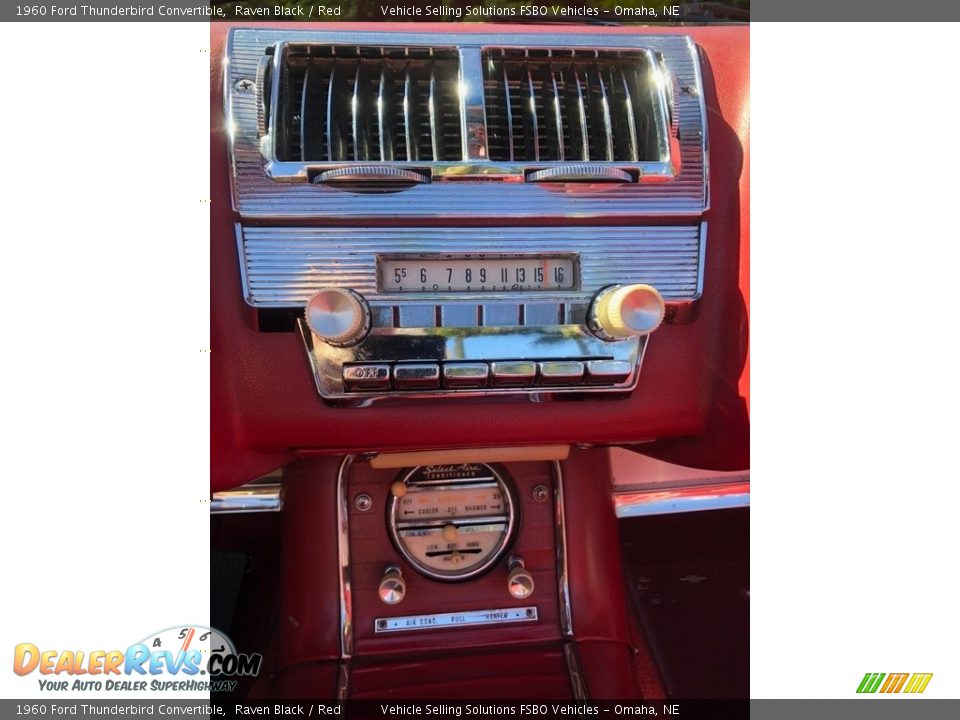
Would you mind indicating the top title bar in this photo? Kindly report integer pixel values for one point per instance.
(599, 12)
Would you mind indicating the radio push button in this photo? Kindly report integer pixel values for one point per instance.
(513, 373)
(465, 375)
(422, 376)
(608, 371)
(561, 372)
(367, 377)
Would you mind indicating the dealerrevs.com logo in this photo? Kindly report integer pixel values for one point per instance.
(911, 683)
(190, 658)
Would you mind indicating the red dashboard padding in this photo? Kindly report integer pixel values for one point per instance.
(597, 595)
(264, 406)
(607, 671)
(310, 595)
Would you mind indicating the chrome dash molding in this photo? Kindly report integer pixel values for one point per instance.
(730, 492)
(578, 685)
(459, 618)
(563, 573)
(343, 548)
(253, 498)
(257, 195)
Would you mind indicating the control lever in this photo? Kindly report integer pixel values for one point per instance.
(392, 585)
(519, 582)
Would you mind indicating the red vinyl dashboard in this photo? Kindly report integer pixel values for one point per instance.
(690, 405)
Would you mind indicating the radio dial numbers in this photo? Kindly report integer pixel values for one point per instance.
(477, 274)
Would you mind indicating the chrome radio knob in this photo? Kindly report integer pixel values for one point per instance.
(624, 311)
(519, 582)
(338, 316)
(392, 585)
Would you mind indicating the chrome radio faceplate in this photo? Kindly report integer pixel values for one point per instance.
(443, 322)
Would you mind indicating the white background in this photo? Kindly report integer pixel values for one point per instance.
(105, 377)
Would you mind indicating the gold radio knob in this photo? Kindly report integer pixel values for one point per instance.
(623, 311)
(338, 316)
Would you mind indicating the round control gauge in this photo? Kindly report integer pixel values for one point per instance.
(452, 522)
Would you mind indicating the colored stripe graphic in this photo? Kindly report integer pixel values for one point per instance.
(894, 682)
(870, 682)
(918, 682)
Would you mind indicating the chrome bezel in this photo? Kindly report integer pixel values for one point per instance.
(498, 477)
(264, 187)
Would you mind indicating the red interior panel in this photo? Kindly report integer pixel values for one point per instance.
(264, 406)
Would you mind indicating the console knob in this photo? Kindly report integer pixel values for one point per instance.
(624, 311)
(338, 316)
(392, 585)
(519, 582)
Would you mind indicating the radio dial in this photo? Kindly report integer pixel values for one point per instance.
(338, 316)
(624, 311)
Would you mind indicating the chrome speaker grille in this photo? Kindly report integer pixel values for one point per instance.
(451, 125)
(349, 103)
(576, 105)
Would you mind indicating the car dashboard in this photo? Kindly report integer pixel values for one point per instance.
(478, 294)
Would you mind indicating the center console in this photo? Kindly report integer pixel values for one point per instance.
(458, 565)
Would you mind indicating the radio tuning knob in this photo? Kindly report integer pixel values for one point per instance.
(392, 585)
(338, 316)
(519, 582)
(624, 311)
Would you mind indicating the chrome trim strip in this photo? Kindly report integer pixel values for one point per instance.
(457, 618)
(229, 121)
(563, 575)
(689, 498)
(343, 680)
(343, 548)
(704, 125)
(578, 685)
(436, 138)
(473, 114)
(701, 261)
(251, 498)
